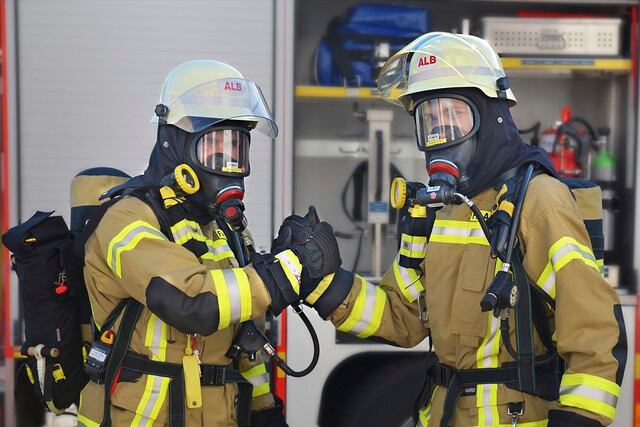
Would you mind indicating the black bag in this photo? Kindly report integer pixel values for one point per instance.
(51, 293)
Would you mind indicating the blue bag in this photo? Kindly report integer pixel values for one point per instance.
(350, 53)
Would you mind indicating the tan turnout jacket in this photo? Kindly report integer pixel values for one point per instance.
(123, 256)
(458, 269)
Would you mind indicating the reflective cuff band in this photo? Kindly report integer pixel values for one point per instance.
(590, 393)
(218, 250)
(186, 230)
(234, 295)
(313, 297)
(336, 292)
(126, 240)
(408, 280)
(259, 378)
(458, 233)
(291, 267)
(413, 246)
(366, 314)
(560, 254)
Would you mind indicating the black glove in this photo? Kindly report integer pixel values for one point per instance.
(316, 249)
(272, 417)
(314, 244)
(295, 229)
(559, 418)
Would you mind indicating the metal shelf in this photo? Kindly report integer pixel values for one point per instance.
(528, 65)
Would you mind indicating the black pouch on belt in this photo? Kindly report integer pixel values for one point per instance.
(427, 387)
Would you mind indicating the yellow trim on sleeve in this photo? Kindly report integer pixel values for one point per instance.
(314, 296)
(222, 293)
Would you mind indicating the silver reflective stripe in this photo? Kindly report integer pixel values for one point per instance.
(548, 284)
(218, 250)
(259, 379)
(590, 393)
(128, 238)
(156, 341)
(566, 249)
(460, 232)
(367, 310)
(413, 247)
(486, 363)
(156, 388)
(432, 73)
(233, 290)
(408, 284)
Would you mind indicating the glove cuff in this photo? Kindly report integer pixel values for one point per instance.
(331, 292)
(280, 276)
(559, 418)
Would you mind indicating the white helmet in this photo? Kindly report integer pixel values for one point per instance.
(200, 93)
(441, 60)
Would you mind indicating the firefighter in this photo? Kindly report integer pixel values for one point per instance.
(456, 90)
(165, 270)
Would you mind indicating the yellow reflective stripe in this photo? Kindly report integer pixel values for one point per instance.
(365, 316)
(424, 414)
(458, 232)
(313, 297)
(590, 392)
(408, 280)
(127, 239)
(245, 294)
(413, 246)
(218, 250)
(86, 422)
(259, 378)
(291, 267)
(541, 423)
(487, 357)
(563, 251)
(156, 387)
(185, 230)
(234, 295)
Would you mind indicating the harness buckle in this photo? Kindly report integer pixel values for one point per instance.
(221, 375)
(442, 374)
(515, 409)
(423, 313)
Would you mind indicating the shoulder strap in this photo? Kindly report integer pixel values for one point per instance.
(132, 311)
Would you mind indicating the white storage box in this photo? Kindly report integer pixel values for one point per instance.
(553, 36)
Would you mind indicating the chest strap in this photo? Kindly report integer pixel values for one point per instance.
(547, 370)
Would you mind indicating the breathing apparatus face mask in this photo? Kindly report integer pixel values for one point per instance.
(446, 126)
(220, 158)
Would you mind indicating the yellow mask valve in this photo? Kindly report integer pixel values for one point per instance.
(186, 179)
(398, 193)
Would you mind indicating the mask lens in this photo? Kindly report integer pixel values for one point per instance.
(441, 121)
(224, 151)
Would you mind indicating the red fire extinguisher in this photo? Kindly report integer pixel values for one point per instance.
(568, 146)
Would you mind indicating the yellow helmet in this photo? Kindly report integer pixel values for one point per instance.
(441, 60)
(200, 93)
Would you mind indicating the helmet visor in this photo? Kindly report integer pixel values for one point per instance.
(444, 121)
(219, 100)
(224, 152)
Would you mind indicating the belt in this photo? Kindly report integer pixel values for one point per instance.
(455, 380)
(211, 375)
